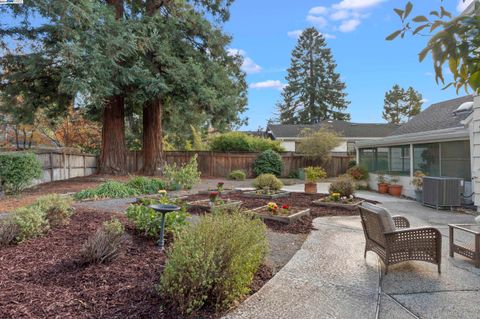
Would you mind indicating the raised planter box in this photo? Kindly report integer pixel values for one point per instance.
(295, 213)
(207, 205)
(256, 194)
(349, 206)
(223, 192)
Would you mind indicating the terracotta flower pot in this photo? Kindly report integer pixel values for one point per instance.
(383, 188)
(395, 190)
(310, 188)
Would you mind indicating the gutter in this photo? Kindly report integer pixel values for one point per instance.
(451, 134)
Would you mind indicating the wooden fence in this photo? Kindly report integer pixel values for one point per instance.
(213, 164)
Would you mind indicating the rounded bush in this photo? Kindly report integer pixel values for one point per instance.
(238, 175)
(242, 142)
(343, 186)
(268, 162)
(358, 173)
(18, 170)
(268, 181)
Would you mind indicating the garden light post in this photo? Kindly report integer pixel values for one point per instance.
(164, 210)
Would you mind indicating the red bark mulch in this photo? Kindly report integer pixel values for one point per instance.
(45, 277)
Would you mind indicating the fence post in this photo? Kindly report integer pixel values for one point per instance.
(52, 176)
(84, 165)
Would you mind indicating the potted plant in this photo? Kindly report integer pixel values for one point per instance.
(417, 182)
(312, 176)
(382, 183)
(394, 188)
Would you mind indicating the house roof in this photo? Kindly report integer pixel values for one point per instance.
(438, 116)
(346, 129)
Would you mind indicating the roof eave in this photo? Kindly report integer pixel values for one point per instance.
(450, 134)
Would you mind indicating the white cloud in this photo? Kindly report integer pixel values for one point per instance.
(269, 84)
(329, 36)
(248, 66)
(424, 100)
(318, 10)
(316, 20)
(463, 4)
(356, 4)
(349, 25)
(340, 15)
(294, 34)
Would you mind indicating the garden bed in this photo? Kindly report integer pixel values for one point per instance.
(207, 205)
(259, 194)
(350, 205)
(287, 216)
(45, 277)
(223, 192)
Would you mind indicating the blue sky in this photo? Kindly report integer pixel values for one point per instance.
(264, 32)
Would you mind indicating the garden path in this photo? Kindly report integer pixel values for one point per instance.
(329, 278)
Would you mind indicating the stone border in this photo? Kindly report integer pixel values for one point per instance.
(283, 219)
(253, 194)
(223, 192)
(338, 205)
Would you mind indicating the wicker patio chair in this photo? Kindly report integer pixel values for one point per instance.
(393, 241)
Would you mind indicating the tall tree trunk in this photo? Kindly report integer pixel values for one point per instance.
(113, 157)
(152, 120)
(152, 138)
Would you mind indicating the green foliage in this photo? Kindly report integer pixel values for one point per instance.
(400, 105)
(314, 91)
(212, 263)
(318, 144)
(358, 173)
(105, 245)
(145, 185)
(186, 176)
(237, 175)
(18, 170)
(268, 162)
(352, 163)
(242, 142)
(294, 174)
(147, 220)
(452, 40)
(314, 174)
(267, 182)
(109, 189)
(57, 208)
(344, 186)
(31, 222)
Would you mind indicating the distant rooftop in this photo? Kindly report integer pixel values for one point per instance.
(346, 129)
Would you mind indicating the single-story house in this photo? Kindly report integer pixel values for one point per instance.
(290, 134)
(439, 142)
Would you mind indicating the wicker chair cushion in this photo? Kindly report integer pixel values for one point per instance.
(384, 216)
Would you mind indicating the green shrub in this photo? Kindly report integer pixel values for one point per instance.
(18, 170)
(344, 186)
(109, 189)
(212, 262)
(31, 222)
(145, 185)
(242, 142)
(319, 144)
(314, 174)
(358, 173)
(267, 181)
(238, 175)
(8, 232)
(147, 220)
(105, 245)
(352, 163)
(186, 176)
(294, 174)
(57, 208)
(268, 162)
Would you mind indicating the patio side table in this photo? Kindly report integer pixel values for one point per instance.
(470, 249)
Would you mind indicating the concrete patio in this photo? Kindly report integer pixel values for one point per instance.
(329, 278)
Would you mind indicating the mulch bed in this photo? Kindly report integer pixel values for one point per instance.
(45, 277)
(303, 225)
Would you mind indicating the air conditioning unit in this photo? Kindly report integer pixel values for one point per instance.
(442, 192)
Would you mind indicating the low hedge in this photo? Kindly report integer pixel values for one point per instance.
(18, 170)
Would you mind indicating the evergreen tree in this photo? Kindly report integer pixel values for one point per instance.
(314, 91)
(400, 105)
